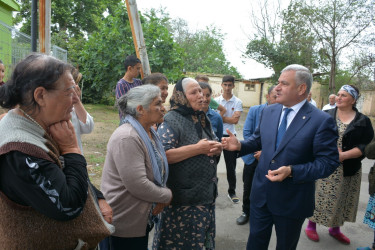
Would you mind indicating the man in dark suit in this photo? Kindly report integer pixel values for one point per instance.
(298, 143)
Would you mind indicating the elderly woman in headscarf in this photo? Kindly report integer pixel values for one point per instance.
(337, 196)
(190, 144)
(46, 199)
(136, 169)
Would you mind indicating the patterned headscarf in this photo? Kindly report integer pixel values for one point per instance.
(181, 104)
(351, 91)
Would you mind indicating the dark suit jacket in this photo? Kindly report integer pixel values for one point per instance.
(309, 144)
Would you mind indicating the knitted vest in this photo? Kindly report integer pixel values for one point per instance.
(22, 227)
(193, 181)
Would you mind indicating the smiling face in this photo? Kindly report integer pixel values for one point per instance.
(163, 85)
(206, 99)
(288, 93)
(155, 112)
(344, 100)
(193, 93)
(58, 103)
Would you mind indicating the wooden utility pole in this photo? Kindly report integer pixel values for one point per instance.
(139, 41)
(45, 26)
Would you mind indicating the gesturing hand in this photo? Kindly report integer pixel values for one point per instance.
(231, 143)
(279, 174)
(63, 134)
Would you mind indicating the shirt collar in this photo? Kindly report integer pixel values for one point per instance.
(296, 107)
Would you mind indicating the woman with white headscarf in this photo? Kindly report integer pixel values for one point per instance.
(337, 197)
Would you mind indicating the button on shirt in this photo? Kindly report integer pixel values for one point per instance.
(292, 113)
(232, 105)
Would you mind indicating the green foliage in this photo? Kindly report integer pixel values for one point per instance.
(72, 17)
(101, 58)
(315, 33)
(97, 44)
(164, 54)
(203, 49)
(294, 43)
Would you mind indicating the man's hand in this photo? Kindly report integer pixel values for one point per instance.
(231, 143)
(279, 174)
(106, 210)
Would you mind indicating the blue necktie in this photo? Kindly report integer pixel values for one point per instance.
(283, 125)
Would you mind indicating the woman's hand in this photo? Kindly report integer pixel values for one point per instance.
(205, 146)
(106, 210)
(216, 149)
(63, 133)
(159, 208)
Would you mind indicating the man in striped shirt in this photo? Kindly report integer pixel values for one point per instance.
(129, 81)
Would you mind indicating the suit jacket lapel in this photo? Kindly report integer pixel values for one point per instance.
(273, 124)
(298, 122)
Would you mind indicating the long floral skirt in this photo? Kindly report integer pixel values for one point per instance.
(186, 227)
(336, 199)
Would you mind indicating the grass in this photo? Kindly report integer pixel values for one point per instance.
(106, 120)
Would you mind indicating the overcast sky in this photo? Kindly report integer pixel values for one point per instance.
(232, 17)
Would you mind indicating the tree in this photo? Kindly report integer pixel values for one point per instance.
(69, 18)
(101, 58)
(340, 26)
(203, 49)
(281, 38)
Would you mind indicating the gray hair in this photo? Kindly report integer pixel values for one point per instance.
(303, 75)
(142, 95)
(186, 81)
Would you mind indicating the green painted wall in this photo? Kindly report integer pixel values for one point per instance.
(6, 9)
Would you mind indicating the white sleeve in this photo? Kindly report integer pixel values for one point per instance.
(238, 106)
(88, 127)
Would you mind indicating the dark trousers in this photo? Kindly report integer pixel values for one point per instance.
(230, 158)
(247, 178)
(134, 243)
(288, 230)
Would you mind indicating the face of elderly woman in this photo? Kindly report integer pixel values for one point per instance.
(344, 99)
(193, 93)
(156, 110)
(59, 102)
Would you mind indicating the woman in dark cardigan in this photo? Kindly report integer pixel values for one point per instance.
(190, 145)
(337, 197)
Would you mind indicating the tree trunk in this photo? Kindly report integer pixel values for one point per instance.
(332, 76)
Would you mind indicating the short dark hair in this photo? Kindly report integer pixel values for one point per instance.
(271, 88)
(205, 85)
(131, 61)
(228, 78)
(1, 62)
(154, 78)
(36, 70)
(202, 78)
